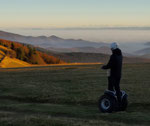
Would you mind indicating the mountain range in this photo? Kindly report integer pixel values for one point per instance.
(57, 44)
(102, 49)
(51, 41)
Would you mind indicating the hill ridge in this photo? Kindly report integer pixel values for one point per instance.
(14, 52)
(51, 41)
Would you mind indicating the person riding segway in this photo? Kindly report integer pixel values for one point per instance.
(113, 98)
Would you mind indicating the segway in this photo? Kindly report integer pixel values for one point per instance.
(109, 103)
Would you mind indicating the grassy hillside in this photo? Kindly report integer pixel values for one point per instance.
(95, 57)
(68, 95)
(8, 62)
(26, 53)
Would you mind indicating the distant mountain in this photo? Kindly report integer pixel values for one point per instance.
(102, 49)
(147, 43)
(52, 41)
(144, 51)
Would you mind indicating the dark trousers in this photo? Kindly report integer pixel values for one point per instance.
(114, 84)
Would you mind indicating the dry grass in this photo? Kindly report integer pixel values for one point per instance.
(8, 62)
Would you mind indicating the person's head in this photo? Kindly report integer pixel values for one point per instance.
(114, 46)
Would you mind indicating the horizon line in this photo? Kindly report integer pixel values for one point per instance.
(83, 28)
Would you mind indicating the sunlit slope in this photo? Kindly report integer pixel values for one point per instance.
(6, 62)
(2, 50)
(15, 54)
(2, 54)
(12, 62)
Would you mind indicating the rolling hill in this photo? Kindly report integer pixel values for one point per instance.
(79, 57)
(14, 54)
(144, 53)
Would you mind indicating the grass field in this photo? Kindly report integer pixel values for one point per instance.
(68, 95)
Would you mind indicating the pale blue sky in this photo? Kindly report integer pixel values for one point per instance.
(73, 13)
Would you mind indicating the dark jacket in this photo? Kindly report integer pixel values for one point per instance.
(115, 63)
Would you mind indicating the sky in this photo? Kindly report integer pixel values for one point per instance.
(73, 13)
(78, 19)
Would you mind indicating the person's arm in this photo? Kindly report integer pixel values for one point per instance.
(109, 64)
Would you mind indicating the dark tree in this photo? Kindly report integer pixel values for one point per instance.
(12, 46)
(20, 53)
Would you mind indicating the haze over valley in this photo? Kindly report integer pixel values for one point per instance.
(65, 40)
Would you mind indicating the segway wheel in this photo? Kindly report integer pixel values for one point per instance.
(106, 104)
(124, 103)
